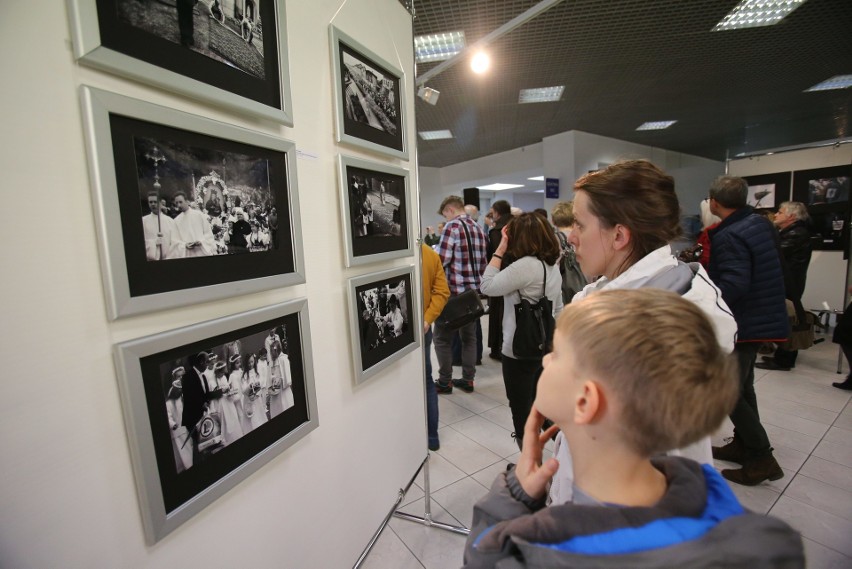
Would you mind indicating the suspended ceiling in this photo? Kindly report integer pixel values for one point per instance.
(625, 62)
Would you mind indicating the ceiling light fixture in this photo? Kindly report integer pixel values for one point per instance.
(435, 134)
(836, 82)
(536, 178)
(756, 13)
(655, 125)
(429, 95)
(500, 187)
(480, 63)
(438, 47)
(541, 95)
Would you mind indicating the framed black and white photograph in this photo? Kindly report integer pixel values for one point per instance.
(188, 209)
(825, 187)
(375, 204)
(768, 191)
(831, 227)
(369, 98)
(208, 405)
(384, 323)
(232, 53)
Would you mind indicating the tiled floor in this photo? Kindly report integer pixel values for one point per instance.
(809, 423)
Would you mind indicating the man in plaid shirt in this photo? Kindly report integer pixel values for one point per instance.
(464, 265)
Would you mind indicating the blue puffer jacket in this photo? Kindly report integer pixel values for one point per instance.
(745, 265)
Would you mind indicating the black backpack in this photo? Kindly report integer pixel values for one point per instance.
(573, 279)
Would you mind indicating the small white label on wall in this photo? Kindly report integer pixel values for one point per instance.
(302, 155)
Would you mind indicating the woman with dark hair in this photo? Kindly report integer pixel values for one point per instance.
(534, 274)
(254, 395)
(625, 216)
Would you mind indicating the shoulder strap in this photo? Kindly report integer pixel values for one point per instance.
(469, 245)
(543, 280)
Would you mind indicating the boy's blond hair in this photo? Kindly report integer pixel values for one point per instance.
(659, 357)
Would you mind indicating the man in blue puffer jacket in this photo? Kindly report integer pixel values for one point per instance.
(746, 267)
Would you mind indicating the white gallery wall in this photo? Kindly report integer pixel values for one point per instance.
(827, 273)
(68, 497)
(565, 156)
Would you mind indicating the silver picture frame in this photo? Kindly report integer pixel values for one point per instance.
(169, 494)
(213, 277)
(171, 66)
(388, 135)
(376, 340)
(382, 231)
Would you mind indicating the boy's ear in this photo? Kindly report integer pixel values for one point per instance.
(588, 403)
(622, 237)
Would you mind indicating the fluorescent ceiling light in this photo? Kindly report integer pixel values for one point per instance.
(536, 178)
(756, 13)
(435, 134)
(541, 95)
(438, 47)
(499, 187)
(836, 82)
(538, 192)
(655, 125)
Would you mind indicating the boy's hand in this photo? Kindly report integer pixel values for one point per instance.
(531, 473)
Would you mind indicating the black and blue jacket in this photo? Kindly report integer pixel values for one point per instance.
(697, 523)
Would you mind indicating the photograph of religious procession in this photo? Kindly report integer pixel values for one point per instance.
(191, 210)
(213, 402)
(822, 186)
(383, 321)
(229, 45)
(201, 201)
(374, 204)
(368, 97)
(768, 191)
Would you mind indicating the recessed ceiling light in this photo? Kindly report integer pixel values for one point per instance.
(435, 134)
(499, 187)
(538, 192)
(655, 125)
(536, 178)
(756, 13)
(836, 82)
(438, 47)
(541, 95)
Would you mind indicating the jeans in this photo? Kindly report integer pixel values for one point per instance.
(431, 394)
(745, 417)
(520, 377)
(444, 352)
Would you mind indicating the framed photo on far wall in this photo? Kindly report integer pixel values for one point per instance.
(825, 192)
(383, 321)
(229, 53)
(208, 405)
(375, 204)
(768, 191)
(369, 98)
(188, 209)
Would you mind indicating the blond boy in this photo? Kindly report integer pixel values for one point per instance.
(632, 373)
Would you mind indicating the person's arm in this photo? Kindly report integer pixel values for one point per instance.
(440, 291)
(734, 267)
(447, 243)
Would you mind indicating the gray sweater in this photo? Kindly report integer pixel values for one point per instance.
(522, 278)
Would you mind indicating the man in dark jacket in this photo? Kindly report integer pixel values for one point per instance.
(501, 213)
(746, 267)
(791, 221)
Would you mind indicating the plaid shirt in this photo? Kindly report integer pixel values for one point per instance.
(464, 268)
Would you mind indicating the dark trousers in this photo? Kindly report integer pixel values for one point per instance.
(457, 346)
(431, 394)
(786, 358)
(443, 338)
(745, 416)
(495, 324)
(520, 377)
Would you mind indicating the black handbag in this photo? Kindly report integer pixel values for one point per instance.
(534, 325)
(464, 308)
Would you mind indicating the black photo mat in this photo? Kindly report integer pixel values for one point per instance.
(389, 229)
(780, 184)
(146, 278)
(390, 137)
(119, 34)
(180, 487)
(373, 351)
